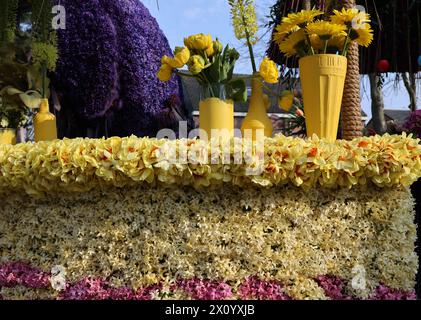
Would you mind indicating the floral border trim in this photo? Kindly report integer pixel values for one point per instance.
(84, 164)
(252, 288)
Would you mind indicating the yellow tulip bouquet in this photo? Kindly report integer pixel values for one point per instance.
(210, 64)
(304, 33)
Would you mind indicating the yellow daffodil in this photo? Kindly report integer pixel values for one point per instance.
(294, 43)
(165, 72)
(196, 64)
(325, 30)
(181, 57)
(198, 42)
(269, 71)
(286, 100)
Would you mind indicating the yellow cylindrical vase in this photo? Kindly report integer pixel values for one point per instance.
(7, 136)
(45, 127)
(218, 116)
(257, 117)
(322, 80)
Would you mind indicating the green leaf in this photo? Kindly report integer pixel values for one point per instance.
(237, 90)
(31, 99)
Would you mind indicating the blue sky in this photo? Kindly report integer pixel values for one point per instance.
(179, 18)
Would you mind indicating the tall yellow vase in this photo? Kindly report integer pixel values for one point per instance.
(257, 117)
(45, 126)
(322, 80)
(7, 136)
(217, 114)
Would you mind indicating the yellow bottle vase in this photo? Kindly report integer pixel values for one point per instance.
(322, 80)
(7, 136)
(45, 126)
(257, 117)
(216, 117)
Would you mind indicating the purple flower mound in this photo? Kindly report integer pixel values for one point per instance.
(99, 289)
(110, 53)
(333, 287)
(21, 274)
(254, 288)
(413, 124)
(385, 293)
(205, 289)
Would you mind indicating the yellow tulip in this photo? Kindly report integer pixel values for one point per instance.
(269, 71)
(165, 60)
(181, 57)
(165, 72)
(196, 64)
(286, 100)
(198, 42)
(210, 51)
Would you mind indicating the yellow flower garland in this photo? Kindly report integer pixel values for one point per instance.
(85, 164)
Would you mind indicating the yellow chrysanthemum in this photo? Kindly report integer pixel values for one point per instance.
(350, 17)
(283, 30)
(363, 36)
(301, 18)
(326, 30)
(290, 46)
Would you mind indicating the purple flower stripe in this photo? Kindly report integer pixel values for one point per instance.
(254, 288)
(22, 274)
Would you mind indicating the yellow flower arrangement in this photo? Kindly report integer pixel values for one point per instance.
(334, 35)
(84, 164)
(209, 63)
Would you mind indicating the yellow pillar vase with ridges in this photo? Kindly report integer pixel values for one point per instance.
(7, 136)
(322, 80)
(45, 127)
(257, 117)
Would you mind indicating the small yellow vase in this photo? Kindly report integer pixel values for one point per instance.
(7, 136)
(45, 126)
(217, 114)
(323, 79)
(257, 117)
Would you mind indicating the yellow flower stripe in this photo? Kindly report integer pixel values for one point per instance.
(140, 236)
(85, 164)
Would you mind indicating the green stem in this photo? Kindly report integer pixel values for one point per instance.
(346, 44)
(309, 44)
(44, 82)
(325, 49)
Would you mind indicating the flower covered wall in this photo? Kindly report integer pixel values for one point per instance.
(110, 52)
